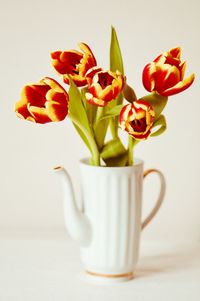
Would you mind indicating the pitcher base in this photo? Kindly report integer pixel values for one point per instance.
(108, 279)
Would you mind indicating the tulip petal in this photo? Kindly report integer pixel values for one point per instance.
(148, 76)
(142, 136)
(78, 80)
(56, 105)
(55, 111)
(161, 58)
(86, 49)
(175, 52)
(57, 63)
(22, 112)
(167, 77)
(35, 94)
(88, 60)
(30, 119)
(182, 67)
(124, 115)
(53, 84)
(57, 97)
(70, 59)
(65, 62)
(39, 114)
(95, 89)
(55, 55)
(107, 93)
(94, 100)
(91, 73)
(179, 87)
(21, 108)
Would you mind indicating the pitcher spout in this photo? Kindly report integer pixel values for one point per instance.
(77, 224)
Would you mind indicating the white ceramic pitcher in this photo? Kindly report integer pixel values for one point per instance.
(109, 226)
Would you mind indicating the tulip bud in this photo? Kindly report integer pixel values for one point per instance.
(43, 102)
(137, 119)
(165, 74)
(103, 86)
(74, 63)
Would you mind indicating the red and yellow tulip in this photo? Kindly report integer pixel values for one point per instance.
(103, 86)
(137, 119)
(165, 74)
(74, 63)
(43, 102)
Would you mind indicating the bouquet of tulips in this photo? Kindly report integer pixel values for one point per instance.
(95, 100)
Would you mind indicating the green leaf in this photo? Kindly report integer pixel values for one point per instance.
(119, 161)
(114, 153)
(157, 102)
(116, 62)
(113, 112)
(103, 122)
(81, 134)
(119, 99)
(112, 149)
(76, 108)
(90, 109)
(100, 132)
(160, 124)
(79, 118)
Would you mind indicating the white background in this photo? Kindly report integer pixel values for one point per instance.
(30, 194)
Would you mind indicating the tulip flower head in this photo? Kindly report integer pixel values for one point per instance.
(43, 102)
(165, 74)
(103, 86)
(74, 63)
(137, 119)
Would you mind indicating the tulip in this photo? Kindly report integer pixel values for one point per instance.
(103, 86)
(43, 102)
(137, 119)
(74, 63)
(165, 74)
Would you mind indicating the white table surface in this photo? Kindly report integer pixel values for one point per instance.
(50, 270)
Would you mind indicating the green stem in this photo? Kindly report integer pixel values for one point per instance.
(113, 128)
(131, 144)
(99, 114)
(93, 146)
(95, 151)
(96, 159)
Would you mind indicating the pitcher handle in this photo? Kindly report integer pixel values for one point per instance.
(160, 196)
